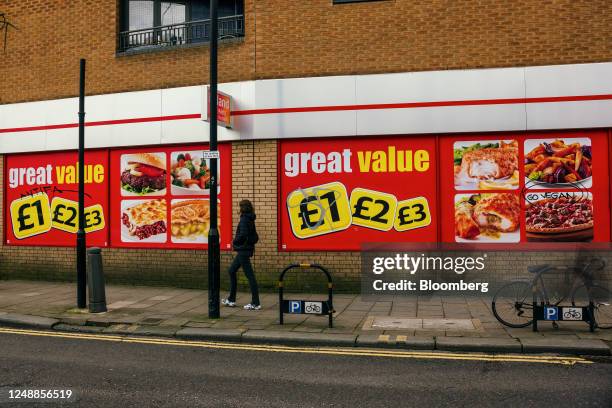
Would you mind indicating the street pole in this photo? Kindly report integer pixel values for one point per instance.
(214, 255)
(80, 241)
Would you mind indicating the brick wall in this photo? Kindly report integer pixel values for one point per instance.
(284, 38)
(287, 38)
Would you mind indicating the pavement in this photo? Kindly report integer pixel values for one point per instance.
(153, 372)
(425, 323)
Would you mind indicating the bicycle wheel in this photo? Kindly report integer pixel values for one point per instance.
(513, 304)
(601, 301)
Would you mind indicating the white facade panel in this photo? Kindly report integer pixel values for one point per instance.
(569, 115)
(305, 124)
(438, 86)
(569, 80)
(445, 119)
(23, 115)
(98, 108)
(305, 92)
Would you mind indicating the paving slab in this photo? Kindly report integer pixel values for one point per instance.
(294, 338)
(569, 346)
(205, 333)
(484, 344)
(76, 328)
(395, 341)
(19, 320)
(159, 331)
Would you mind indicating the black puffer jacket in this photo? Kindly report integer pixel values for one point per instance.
(246, 234)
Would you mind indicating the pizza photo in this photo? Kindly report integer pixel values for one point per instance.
(143, 220)
(566, 217)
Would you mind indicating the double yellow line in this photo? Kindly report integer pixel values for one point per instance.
(340, 351)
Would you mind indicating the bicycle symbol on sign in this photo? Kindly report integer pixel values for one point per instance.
(572, 314)
(313, 308)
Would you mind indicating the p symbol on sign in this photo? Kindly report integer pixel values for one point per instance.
(295, 306)
(551, 313)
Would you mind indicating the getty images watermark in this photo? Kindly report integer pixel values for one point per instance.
(410, 265)
(410, 270)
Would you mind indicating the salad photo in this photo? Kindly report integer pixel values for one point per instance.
(190, 173)
(558, 162)
(489, 165)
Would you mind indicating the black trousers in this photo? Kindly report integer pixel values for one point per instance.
(243, 259)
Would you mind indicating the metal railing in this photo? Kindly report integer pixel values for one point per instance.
(190, 32)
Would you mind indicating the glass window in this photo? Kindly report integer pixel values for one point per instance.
(140, 14)
(173, 13)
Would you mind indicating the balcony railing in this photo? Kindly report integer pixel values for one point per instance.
(190, 32)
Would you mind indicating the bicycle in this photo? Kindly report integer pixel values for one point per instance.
(513, 303)
(313, 309)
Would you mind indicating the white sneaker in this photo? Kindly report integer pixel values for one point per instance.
(228, 303)
(251, 306)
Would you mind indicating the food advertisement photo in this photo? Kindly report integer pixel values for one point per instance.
(559, 216)
(486, 165)
(144, 220)
(189, 173)
(558, 163)
(487, 217)
(190, 221)
(143, 174)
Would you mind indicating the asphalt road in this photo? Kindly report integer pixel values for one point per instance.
(118, 374)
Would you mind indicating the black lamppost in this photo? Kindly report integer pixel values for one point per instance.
(80, 241)
(214, 255)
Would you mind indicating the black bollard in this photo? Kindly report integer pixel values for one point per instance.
(95, 280)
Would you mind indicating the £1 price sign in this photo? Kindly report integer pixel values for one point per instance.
(319, 210)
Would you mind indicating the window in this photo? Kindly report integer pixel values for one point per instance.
(154, 23)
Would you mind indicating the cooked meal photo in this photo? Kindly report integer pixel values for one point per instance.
(144, 219)
(558, 162)
(190, 173)
(190, 220)
(143, 174)
(490, 217)
(486, 166)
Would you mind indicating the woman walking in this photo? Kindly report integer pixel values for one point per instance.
(244, 244)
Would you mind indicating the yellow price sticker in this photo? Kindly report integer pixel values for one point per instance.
(319, 210)
(411, 214)
(65, 214)
(30, 215)
(373, 209)
(94, 218)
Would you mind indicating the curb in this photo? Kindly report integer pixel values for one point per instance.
(592, 347)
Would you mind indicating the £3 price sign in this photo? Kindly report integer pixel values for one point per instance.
(327, 208)
(34, 215)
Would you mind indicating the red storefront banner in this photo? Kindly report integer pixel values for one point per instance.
(495, 191)
(336, 194)
(41, 198)
(137, 198)
(160, 197)
(544, 187)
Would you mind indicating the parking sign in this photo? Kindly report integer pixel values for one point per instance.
(295, 306)
(551, 313)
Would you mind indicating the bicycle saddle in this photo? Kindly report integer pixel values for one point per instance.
(539, 268)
